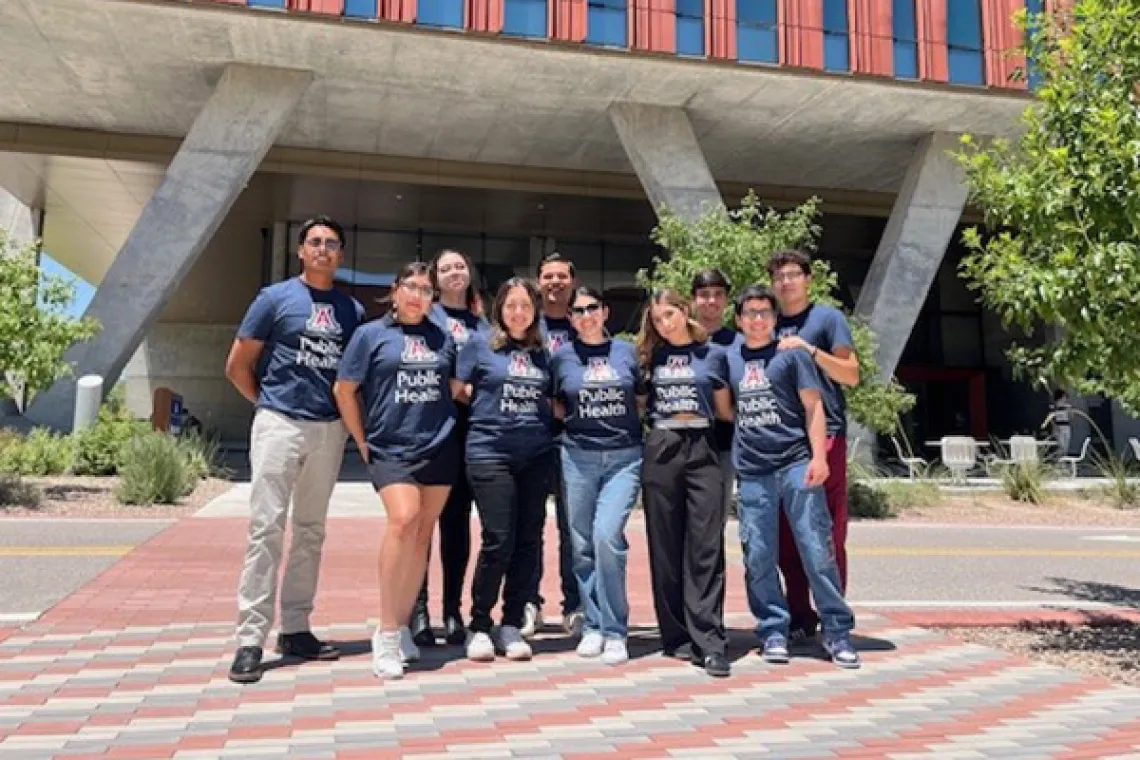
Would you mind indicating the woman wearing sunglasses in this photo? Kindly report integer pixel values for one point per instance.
(684, 517)
(599, 390)
(402, 365)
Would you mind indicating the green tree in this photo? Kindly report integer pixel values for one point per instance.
(1059, 253)
(35, 329)
(739, 243)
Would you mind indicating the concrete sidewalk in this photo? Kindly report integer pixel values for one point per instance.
(134, 665)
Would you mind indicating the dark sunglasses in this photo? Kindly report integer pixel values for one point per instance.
(590, 308)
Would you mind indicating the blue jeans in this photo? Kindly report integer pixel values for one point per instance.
(806, 509)
(601, 489)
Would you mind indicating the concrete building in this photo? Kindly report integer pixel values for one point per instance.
(167, 151)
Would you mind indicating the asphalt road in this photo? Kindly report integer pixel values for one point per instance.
(892, 565)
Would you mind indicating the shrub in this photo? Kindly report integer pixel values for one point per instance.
(15, 492)
(42, 453)
(99, 449)
(1025, 481)
(868, 502)
(154, 471)
(1121, 492)
(200, 453)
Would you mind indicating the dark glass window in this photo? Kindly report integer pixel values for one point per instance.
(442, 13)
(836, 42)
(905, 32)
(757, 35)
(607, 23)
(691, 27)
(964, 38)
(524, 18)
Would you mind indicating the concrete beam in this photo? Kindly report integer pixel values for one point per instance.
(923, 219)
(661, 145)
(223, 148)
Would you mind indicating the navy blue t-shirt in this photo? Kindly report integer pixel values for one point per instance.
(771, 427)
(723, 431)
(304, 330)
(599, 386)
(404, 373)
(556, 332)
(511, 418)
(460, 324)
(825, 327)
(682, 380)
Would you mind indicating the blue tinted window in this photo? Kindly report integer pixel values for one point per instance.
(267, 3)
(756, 32)
(906, 60)
(360, 8)
(690, 36)
(1033, 6)
(447, 13)
(835, 15)
(606, 23)
(836, 46)
(691, 8)
(964, 38)
(525, 18)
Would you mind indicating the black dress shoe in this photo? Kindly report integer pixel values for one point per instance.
(306, 646)
(683, 652)
(247, 665)
(716, 665)
(454, 630)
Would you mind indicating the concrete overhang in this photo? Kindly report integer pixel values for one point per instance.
(147, 68)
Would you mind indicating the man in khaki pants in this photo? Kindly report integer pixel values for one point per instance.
(294, 333)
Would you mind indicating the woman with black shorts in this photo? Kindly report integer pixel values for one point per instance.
(402, 365)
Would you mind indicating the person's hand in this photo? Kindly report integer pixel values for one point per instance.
(365, 454)
(817, 473)
(794, 341)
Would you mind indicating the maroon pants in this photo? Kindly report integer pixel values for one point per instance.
(795, 581)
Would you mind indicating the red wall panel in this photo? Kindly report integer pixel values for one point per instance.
(332, 7)
(872, 34)
(720, 29)
(1001, 36)
(801, 33)
(933, 55)
(398, 10)
(653, 25)
(568, 20)
(484, 15)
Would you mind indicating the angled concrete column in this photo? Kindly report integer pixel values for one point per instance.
(20, 222)
(922, 221)
(223, 148)
(664, 151)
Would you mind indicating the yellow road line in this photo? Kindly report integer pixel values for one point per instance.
(64, 551)
(977, 551)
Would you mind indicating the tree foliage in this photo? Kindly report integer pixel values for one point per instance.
(739, 243)
(35, 329)
(1061, 244)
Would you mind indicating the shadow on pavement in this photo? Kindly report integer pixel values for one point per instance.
(1092, 591)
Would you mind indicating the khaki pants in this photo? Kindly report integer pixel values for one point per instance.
(288, 458)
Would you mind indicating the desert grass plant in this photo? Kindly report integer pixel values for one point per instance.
(154, 470)
(1122, 491)
(200, 451)
(1025, 481)
(872, 494)
(17, 492)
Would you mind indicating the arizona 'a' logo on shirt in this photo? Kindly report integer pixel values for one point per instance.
(416, 351)
(755, 379)
(458, 330)
(520, 365)
(598, 370)
(555, 340)
(676, 368)
(322, 320)
(786, 330)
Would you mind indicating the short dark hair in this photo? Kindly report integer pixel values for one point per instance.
(781, 259)
(755, 293)
(320, 221)
(588, 292)
(710, 278)
(554, 258)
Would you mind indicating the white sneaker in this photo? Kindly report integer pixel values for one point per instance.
(512, 644)
(386, 660)
(532, 619)
(591, 644)
(615, 652)
(408, 649)
(572, 623)
(480, 648)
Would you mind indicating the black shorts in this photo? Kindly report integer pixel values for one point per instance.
(440, 469)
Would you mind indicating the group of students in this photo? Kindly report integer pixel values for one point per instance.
(449, 402)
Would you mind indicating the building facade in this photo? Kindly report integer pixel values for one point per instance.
(166, 151)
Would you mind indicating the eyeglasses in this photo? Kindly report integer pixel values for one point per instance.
(332, 245)
(788, 276)
(758, 314)
(417, 290)
(590, 308)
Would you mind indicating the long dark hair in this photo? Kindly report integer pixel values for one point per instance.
(500, 335)
(471, 296)
(648, 339)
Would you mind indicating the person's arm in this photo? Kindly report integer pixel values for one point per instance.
(817, 471)
(722, 398)
(558, 408)
(346, 393)
(241, 367)
(842, 366)
(460, 391)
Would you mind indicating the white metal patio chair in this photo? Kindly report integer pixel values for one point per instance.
(914, 465)
(960, 455)
(1135, 444)
(1072, 461)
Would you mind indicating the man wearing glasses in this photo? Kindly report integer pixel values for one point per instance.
(284, 361)
(824, 333)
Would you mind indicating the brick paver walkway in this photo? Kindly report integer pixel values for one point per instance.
(134, 665)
